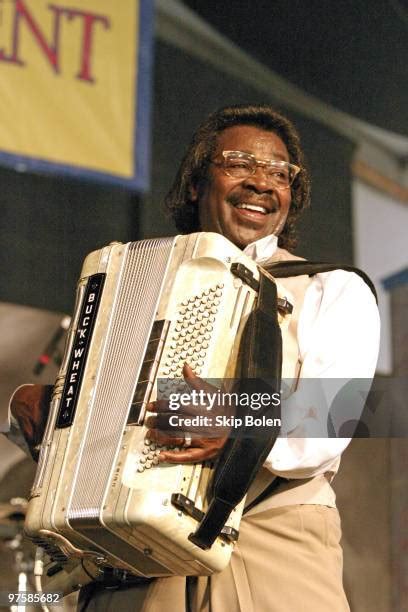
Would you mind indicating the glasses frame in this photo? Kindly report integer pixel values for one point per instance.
(276, 163)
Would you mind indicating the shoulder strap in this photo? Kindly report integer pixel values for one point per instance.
(271, 488)
(284, 269)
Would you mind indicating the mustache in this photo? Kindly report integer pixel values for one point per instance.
(248, 197)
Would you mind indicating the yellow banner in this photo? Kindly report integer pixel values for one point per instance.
(70, 85)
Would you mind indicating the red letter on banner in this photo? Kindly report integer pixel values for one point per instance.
(89, 19)
(50, 51)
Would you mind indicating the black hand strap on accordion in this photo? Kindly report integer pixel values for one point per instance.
(244, 454)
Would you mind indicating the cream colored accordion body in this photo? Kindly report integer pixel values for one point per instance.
(143, 309)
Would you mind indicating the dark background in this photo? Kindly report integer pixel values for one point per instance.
(349, 53)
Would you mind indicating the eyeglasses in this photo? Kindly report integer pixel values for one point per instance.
(238, 164)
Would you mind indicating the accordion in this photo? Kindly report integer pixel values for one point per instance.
(100, 496)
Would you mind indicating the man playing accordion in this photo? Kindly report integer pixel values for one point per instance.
(244, 177)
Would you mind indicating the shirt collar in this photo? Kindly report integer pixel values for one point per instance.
(261, 250)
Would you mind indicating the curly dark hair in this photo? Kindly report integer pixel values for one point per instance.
(194, 166)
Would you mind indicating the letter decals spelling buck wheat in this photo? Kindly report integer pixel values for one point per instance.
(80, 349)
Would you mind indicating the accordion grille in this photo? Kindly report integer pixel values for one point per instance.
(144, 271)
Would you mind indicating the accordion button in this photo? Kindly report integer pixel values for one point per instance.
(140, 468)
(142, 460)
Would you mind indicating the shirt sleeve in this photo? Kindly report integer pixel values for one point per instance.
(338, 335)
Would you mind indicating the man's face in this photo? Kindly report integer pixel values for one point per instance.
(221, 197)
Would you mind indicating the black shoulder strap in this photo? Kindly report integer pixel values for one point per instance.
(298, 267)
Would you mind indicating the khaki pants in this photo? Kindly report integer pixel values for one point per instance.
(288, 559)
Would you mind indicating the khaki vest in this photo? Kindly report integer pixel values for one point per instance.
(316, 490)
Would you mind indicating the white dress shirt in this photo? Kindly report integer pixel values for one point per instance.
(338, 338)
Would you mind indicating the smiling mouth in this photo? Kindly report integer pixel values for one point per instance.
(253, 208)
(256, 208)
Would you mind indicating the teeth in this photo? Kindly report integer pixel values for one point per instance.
(260, 209)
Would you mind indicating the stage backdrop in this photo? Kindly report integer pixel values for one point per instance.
(74, 87)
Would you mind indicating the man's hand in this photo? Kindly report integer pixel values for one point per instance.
(204, 441)
(30, 405)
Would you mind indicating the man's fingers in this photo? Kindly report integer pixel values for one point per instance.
(195, 382)
(189, 455)
(201, 450)
(164, 439)
(161, 405)
(181, 427)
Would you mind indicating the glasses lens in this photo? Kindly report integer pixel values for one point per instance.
(239, 166)
(279, 173)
